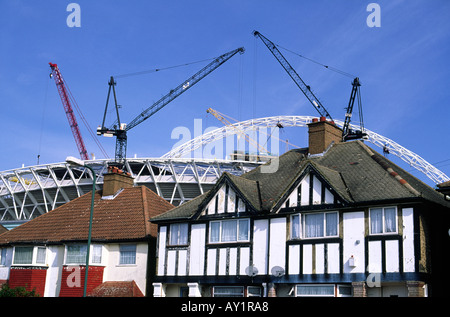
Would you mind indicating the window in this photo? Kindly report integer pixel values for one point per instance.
(229, 231)
(315, 225)
(40, 256)
(28, 255)
(383, 220)
(228, 291)
(96, 257)
(23, 255)
(315, 290)
(127, 254)
(178, 234)
(3, 257)
(76, 254)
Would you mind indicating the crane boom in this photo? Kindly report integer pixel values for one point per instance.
(56, 74)
(121, 131)
(293, 74)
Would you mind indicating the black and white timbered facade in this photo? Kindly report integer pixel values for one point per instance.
(336, 224)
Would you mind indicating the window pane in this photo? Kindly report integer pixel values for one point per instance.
(40, 256)
(214, 232)
(3, 256)
(332, 224)
(295, 225)
(229, 231)
(96, 254)
(315, 290)
(76, 254)
(243, 230)
(228, 291)
(376, 224)
(389, 220)
(127, 254)
(314, 225)
(178, 234)
(23, 255)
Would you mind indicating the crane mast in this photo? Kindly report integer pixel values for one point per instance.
(293, 74)
(56, 74)
(120, 130)
(347, 132)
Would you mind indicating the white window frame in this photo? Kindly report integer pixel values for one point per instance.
(237, 220)
(177, 227)
(215, 288)
(34, 255)
(383, 219)
(98, 247)
(315, 285)
(3, 256)
(302, 225)
(135, 254)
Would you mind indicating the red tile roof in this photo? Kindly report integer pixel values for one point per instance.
(116, 289)
(126, 217)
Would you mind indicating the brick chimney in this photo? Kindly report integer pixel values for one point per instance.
(115, 180)
(321, 134)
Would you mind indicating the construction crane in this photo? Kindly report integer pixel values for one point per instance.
(347, 132)
(120, 129)
(293, 74)
(63, 93)
(221, 117)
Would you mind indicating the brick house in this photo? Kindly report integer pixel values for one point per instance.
(48, 253)
(334, 219)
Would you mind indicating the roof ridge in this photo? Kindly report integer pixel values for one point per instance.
(389, 169)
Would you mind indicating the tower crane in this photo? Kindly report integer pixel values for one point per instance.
(62, 90)
(347, 132)
(120, 129)
(293, 74)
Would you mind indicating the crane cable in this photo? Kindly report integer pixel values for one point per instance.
(160, 69)
(318, 63)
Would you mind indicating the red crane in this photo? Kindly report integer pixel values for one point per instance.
(69, 111)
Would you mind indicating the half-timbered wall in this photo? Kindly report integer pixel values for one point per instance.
(351, 248)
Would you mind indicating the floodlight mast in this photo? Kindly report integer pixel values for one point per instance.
(120, 130)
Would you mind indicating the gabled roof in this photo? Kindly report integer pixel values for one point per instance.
(126, 217)
(358, 174)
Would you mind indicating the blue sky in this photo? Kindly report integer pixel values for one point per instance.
(403, 66)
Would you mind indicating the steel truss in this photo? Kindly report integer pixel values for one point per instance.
(394, 148)
(28, 192)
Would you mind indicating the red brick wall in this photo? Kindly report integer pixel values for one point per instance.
(28, 277)
(72, 280)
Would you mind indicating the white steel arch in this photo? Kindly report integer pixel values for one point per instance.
(406, 155)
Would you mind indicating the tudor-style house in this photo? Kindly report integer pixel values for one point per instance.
(48, 253)
(334, 219)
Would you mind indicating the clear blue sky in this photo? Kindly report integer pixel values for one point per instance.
(403, 65)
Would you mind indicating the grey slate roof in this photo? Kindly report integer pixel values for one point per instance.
(358, 174)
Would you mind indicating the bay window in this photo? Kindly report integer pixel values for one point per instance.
(229, 230)
(383, 220)
(76, 254)
(29, 255)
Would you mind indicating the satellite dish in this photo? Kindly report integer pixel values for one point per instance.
(277, 271)
(251, 270)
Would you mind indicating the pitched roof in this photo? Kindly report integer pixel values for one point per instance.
(356, 172)
(3, 229)
(126, 217)
(116, 289)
